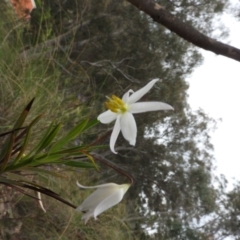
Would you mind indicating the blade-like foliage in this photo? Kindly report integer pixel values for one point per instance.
(7, 148)
(70, 135)
(26, 140)
(23, 153)
(36, 187)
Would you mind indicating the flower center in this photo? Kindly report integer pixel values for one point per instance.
(116, 105)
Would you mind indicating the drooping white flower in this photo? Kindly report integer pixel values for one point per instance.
(122, 111)
(106, 196)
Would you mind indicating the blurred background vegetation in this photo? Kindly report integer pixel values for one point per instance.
(70, 55)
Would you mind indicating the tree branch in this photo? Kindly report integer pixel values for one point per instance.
(184, 30)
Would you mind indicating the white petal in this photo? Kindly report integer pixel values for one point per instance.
(97, 186)
(93, 200)
(109, 202)
(102, 199)
(107, 117)
(129, 128)
(115, 133)
(141, 92)
(141, 107)
(87, 216)
(126, 95)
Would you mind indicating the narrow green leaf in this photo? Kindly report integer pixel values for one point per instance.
(91, 148)
(80, 150)
(8, 146)
(90, 124)
(19, 189)
(71, 151)
(23, 115)
(49, 138)
(35, 187)
(25, 143)
(7, 151)
(36, 148)
(45, 159)
(18, 165)
(79, 164)
(11, 131)
(71, 135)
(49, 193)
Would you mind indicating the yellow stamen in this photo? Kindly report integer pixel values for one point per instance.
(116, 105)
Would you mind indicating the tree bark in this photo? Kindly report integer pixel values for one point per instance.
(184, 30)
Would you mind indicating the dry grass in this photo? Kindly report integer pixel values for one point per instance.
(19, 82)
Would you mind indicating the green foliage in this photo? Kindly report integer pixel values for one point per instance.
(16, 156)
(47, 151)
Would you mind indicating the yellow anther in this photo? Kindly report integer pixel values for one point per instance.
(116, 105)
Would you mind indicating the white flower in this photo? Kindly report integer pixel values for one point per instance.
(105, 197)
(122, 111)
